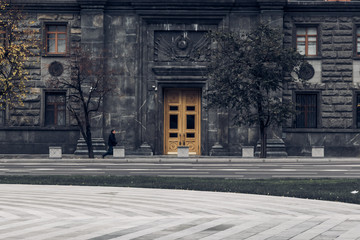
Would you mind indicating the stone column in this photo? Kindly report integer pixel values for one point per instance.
(272, 12)
(92, 39)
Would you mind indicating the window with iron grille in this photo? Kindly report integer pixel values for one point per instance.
(2, 117)
(306, 41)
(56, 39)
(306, 107)
(358, 41)
(2, 35)
(55, 108)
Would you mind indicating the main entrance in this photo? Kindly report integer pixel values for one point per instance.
(182, 120)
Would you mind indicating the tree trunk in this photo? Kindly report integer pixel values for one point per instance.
(89, 142)
(263, 141)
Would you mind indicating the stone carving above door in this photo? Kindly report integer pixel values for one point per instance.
(181, 46)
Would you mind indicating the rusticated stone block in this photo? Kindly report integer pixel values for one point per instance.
(331, 74)
(343, 108)
(342, 68)
(329, 26)
(343, 39)
(326, 40)
(330, 19)
(345, 54)
(329, 54)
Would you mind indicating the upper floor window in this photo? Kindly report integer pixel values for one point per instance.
(56, 39)
(358, 41)
(306, 106)
(306, 41)
(55, 106)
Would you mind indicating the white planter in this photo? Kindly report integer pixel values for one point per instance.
(183, 152)
(55, 152)
(119, 152)
(248, 152)
(317, 151)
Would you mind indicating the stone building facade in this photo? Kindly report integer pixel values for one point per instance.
(158, 103)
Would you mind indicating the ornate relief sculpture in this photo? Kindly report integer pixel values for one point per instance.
(179, 46)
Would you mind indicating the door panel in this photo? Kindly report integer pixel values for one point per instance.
(182, 120)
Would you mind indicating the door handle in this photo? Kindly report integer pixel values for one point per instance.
(180, 140)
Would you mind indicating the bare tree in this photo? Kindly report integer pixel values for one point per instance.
(87, 86)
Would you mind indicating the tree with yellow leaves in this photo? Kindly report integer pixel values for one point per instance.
(17, 40)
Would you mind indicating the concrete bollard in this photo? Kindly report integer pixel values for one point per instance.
(317, 151)
(183, 152)
(55, 152)
(247, 151)
(119, 152)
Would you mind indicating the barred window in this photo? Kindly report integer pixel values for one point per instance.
(306, 41)
(56, 39)
(358, 110)
(2, 117)
(2, 35)
(306, 106)
(55, 108)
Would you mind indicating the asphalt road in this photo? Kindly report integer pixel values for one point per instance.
(320, 169)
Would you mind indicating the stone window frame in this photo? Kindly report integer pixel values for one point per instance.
(44, 28)
(318, 42)
(43, 107)
(318, 110)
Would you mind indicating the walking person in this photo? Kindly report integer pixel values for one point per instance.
(111, 142)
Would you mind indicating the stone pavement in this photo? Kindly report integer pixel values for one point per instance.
(74, 212)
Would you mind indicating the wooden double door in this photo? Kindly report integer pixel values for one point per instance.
(182, 120)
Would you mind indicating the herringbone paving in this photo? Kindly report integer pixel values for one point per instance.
(74, 212)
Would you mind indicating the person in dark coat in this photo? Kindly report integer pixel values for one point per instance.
(111, 142)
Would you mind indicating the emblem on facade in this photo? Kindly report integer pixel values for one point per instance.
(181, 46)
(306, 71)
(56, 69)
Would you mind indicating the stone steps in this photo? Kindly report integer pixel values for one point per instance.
(274, 148)
(98, 146)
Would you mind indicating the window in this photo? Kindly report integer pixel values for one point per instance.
(358, 110)
(306, 107)
(2, 117)
(55, 106)
(306, 41)
(358, 41)
(56, 39)
(2, 36)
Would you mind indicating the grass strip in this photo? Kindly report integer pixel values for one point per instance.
(321, 189)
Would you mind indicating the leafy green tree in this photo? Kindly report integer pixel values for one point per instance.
(247, 75)
(17, 42)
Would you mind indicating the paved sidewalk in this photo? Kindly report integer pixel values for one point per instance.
(28, 158)
(74, 212)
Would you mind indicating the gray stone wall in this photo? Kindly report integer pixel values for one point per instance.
(122, 106)
(336, 87)
(24, 130)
